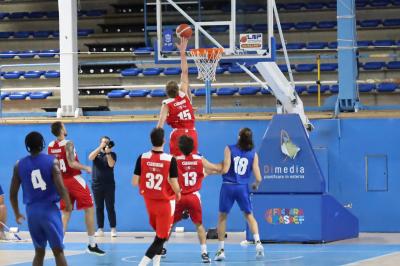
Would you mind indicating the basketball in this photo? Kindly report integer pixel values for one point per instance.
(184, 31)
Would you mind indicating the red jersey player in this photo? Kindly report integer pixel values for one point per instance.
(77, 188)
(177, 110)
(192, 169)
(156, 174)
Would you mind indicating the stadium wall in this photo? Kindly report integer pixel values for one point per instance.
(341, 145)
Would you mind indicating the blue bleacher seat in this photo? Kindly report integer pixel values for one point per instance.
(329, 67)
(253, 8)
(158, 93)
(85, 32)
(305, 67)
(293, 6)
(3, 15)
(172, 71)
(52, 74)
(218, 29)
(295, 45)
(117, 94)
(332, 4)
(28, 53)
(283, 67)
(287, 25)
(13, 74)
(18, 95)
(152, 71)
(361, 3)
(8, 54)
(300, 88)
(364, 43)
(4, 95)
(317, 45)
(334, 88)
(37, 14)
(39, 95)
(227, 91)
(370, 23)
(193, 70)
(379, 3)
(56, 34)
(384, 43)
(81, 13)
(386, 87)
(96, 13)
(326, 24)
(219, 70)
(393, 65)
(373, 65)
(143, 50)
(307, 25)
(249, 90)
(42, 34)
(260, 27)
(52, 14)
(49, 53)
(396, 2)
(265, 91)
(315, 5)
(366, 87)
(202, 91)
(18, 15)
(333, 45)
(6, 34)
(314, 88)
(131, 72)
(241, 28)
(391, 22)
(35, 74)
(139, 93)
(22, 34)
(235, 69)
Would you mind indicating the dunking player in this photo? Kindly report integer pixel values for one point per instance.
(77, 188)
(192, 169)
(177, 110)
(42, 185)
(240, 160)
(156, 174)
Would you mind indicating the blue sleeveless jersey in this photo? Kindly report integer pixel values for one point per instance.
(37, 179)
(241, 166)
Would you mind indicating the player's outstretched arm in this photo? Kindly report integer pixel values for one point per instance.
(163, 115)
(256, 172)
(135, 180)
(14, 188)
(70, 150)
(226, 164)
(184, 67)
(59, 184)
(211, 168)
(137, 172)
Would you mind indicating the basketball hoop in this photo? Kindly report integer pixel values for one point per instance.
(206, 60)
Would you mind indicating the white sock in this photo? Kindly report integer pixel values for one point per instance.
(156, 260)
(145, 260)
(92, 242)
(203, 248)
(256, 238)
(221, 244)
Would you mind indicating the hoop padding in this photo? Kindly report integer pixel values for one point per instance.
(206, 60)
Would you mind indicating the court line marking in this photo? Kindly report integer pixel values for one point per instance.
(371, 259)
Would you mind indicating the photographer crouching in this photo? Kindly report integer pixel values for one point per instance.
(103, 185)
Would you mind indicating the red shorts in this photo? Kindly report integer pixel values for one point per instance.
(79, 192)
(174, 139)
(192, 203)
(161, 215)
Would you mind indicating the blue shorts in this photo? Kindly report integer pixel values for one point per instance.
(45, 225)
(1, 191)
(234, 192)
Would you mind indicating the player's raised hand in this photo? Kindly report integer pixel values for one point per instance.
(19, 218)
(183, 45)
(88, 169)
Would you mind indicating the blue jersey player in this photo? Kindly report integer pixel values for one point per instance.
(240, 161)
(40, 177)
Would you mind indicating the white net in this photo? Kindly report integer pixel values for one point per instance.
(206, 60)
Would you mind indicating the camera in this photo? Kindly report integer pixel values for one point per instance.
(110, 144)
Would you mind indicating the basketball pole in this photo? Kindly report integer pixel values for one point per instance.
(208, 96)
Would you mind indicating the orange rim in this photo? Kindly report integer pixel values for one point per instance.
(211, 53)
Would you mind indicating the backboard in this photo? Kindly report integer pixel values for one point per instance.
(245, 31)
